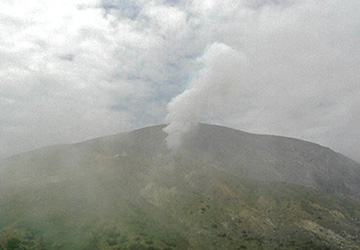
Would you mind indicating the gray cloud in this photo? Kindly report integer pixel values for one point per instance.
(71, 73)
(121, 8)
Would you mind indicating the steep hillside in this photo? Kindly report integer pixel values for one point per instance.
(223, 189)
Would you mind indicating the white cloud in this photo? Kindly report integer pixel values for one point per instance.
(78, 69)
(210, 89)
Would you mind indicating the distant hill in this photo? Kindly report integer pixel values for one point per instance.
(223, 189)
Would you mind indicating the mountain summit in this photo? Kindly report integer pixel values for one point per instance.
(222, 189)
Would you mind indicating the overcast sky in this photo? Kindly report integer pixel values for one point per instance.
(73, 70)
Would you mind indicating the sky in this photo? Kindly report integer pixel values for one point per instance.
(73, 70)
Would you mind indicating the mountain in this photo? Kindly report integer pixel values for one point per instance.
(222, 189)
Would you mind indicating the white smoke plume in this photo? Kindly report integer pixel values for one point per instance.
(212, 85)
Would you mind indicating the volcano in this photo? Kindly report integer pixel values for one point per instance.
(222, 189)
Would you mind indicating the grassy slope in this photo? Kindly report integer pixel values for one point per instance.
(205, 208)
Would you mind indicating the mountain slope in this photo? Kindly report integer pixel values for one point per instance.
(223, 189)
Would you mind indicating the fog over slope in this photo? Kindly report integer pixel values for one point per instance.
(222, 189)
(261, 157)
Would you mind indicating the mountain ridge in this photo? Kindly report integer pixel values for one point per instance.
(163, 126)
(258, 156)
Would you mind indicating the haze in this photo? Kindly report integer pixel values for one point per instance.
(75, 70)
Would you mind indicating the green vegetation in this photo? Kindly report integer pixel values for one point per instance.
(13, 239)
